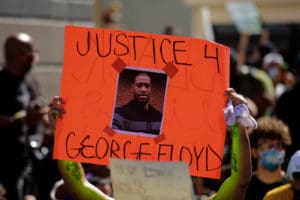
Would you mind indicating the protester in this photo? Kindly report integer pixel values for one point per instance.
(250, 80)
(172, 29)
(288, 110)
(18, 113)
(268, 143)
(255, 52)
(291, 190)
(274, 65)
(23, 115)
(112, 15)
(233, 187)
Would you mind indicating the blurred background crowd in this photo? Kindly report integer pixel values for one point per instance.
(264, 38)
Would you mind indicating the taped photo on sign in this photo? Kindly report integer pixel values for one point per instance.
(139, 102)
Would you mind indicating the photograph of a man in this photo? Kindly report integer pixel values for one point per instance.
(138, 114)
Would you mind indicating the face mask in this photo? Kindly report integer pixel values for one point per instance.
(272, 72)
(272, 159)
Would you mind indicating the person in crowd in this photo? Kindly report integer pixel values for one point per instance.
(23, 115)
(18, 113)
(257, 48)
(273, 64)
(233, 187)
(171, 29)
(290, 190)
(250, 80)
(138, 115)
(268, 143)
(112, 15)
(287, 109)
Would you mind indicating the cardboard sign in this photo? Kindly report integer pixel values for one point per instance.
(150, 180)
(245, 16)
(187, 78)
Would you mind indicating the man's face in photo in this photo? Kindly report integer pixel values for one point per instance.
(142, 88)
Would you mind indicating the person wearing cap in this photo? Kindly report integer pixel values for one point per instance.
(291, 190)
(273, 64)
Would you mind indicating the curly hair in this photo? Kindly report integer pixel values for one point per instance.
(270, 128)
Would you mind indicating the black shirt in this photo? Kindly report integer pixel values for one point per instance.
(135, 118)
(257, 189)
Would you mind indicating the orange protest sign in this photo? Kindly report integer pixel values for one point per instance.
(172, 88)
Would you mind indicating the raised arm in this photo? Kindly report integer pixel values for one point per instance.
(76, 182)
(234, 187)
(73, 172)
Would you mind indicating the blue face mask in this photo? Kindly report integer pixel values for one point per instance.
(273, 72)
(272, 159)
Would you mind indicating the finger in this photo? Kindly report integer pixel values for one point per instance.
(58, 100)
(229, 91)
(52, 123)
(57, 110)
(235, 97)
(238, 99)
(52, 118)
(54, 112)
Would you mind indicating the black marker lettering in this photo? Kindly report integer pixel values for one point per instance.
(88, 42)
(178, 50)
(154, 51)
(189, 153)
(160, 146)
(102, 147)
(114, 146)
(148, 46)
(108, 147)
(210, 149)
(125, 149)
(84, 146)
(97, 45)
(212, 57)
(67, 146)
(161, 50)
(140, 152)
(126, 51)
(134, 44)
(198, 156)
(80, 150)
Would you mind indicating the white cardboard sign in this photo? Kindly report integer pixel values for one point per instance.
(245, 16)
(136, 180)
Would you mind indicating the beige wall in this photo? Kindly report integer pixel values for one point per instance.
(49, 40)
(272, 11)
(48, 36)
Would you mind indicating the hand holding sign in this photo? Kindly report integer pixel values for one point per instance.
(143, 174)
